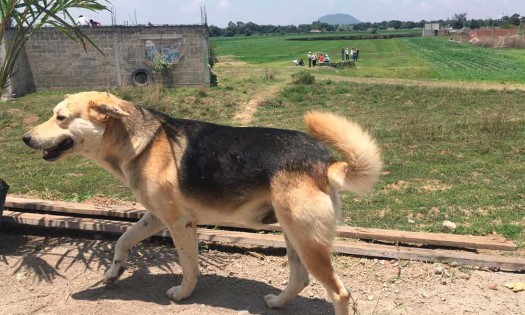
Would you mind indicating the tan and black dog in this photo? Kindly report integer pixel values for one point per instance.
(188, 172)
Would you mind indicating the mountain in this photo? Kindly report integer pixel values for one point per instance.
(343, 19)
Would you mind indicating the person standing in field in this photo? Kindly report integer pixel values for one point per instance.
(314, 59)
(347, 54)
(356, 54)
(309, 59)
(342, 54)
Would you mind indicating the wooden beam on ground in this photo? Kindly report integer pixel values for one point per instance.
(493, 242)
(272, 240)
(3, 194)
(74, 208)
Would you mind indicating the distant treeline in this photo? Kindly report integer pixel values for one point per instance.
(458, 21)
(356, 37)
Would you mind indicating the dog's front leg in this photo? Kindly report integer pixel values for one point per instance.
(144, 228)
(184, 234)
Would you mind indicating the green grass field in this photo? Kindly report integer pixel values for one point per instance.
(450, 153)
(407, 58)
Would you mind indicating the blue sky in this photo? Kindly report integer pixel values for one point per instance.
(282, 12)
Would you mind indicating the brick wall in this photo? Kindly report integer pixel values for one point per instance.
(492, 32)
(58, 62)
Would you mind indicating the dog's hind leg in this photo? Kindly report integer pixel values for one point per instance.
(184, 234)
(144, 228)
(297, 281)
(317, 260)
(308, 218)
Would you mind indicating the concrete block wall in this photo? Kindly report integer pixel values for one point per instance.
(58, 62)
(22, 82)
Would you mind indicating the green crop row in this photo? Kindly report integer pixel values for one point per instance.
(463, 61)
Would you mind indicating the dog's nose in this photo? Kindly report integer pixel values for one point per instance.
(26, 138)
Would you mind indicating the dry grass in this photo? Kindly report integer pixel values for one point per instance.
(515, 41)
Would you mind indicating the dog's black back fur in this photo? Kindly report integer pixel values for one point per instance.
(223, 160)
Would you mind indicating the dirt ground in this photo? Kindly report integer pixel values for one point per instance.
(61, 274)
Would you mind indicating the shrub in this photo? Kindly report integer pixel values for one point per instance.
(162, 66)
(272, 102)
(201, 91)
(153, 95)
(213, 57)
(269, 74)
(303, 77)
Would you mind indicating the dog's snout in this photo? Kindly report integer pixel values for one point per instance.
(26, 138)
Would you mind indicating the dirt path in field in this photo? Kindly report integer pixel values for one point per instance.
(58, 274)
(448, 84)
(244, 115)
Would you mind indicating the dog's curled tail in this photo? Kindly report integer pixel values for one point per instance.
(363, 163)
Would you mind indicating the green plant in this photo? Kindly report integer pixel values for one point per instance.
(272, 102)
(201, 91)
(29, 15)
(213, 57)
(303, 77)
(160, 64)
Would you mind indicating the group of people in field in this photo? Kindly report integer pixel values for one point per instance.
(315, 58)
(352, 53)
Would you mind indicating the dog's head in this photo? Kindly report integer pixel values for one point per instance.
(77, 125)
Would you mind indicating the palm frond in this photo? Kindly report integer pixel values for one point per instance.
(30, 15)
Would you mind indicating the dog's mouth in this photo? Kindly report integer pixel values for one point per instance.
(53, 153)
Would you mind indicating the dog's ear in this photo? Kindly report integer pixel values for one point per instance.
(102, 112)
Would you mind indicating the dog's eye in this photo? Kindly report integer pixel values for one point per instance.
(61, 117)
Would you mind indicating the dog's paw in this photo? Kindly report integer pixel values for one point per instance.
(112, 275)
(273, 301)
(177, 294)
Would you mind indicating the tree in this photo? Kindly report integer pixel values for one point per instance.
(458, 20)
(394, 23)
(515, 19)
(474, 24)
(27, 16)
(215, 31)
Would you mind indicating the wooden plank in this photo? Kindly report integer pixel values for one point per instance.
(119, 227)
(74, 208)
(492, 242)
(3, 194)
(431, 255)
(345, 247)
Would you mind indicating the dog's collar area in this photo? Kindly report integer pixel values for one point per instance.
(54, 152)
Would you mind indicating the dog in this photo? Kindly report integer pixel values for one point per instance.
(188, 173)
